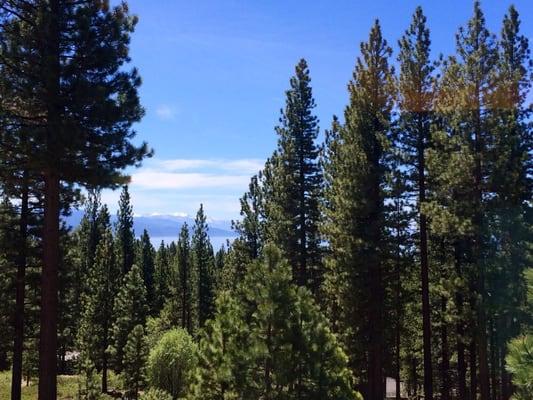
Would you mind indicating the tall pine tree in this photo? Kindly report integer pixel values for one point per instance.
(130, 310)
(145, 258)
(85, 103)
(98, 303)
(416, 102)
(355, 213)
(292, 199)
(124, 231)
(203, 259)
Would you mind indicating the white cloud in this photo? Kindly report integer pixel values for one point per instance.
(178, 186)
(165, 112)
(245, 165)
(150, 179)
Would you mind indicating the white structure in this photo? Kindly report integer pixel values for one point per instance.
(390, 389)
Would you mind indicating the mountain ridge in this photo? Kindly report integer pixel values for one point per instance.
(163, 225)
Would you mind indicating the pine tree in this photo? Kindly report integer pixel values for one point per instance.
(291, 201)
(84, 104)
(162, 277)
(220, 269)
(355, 215)
(251, 227)
(8, 241)
(268, 340)
(464, 106)
(187, 282)
(398, 267)
(251, 230)
(146, 261)
(416, 101)
(130, 310)
(203, 259)
(135, 359)
(97, 317)
(21, 190)
(88, 387)
(21, 185)
(125, 233)
(520, 364)
(509, 211)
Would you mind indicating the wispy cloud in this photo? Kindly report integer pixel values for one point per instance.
(185, 180)
(165, 112)
(178, 186)
(244, 166)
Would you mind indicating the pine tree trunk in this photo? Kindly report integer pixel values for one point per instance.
(472, 350)
(49, 290)
(398, 361)
(184, 314)
(16, 377)
(493, 362)
(424, 272)
(481, 331)
(398, 303)
(50, 268)
(104, 375)
(426, 311)
(445, 363)
(460, 329)
(484, 378)
(376, 380)
(461, 362)
(375, 363)
(267, 377)
(104, 356)
(414, 376)
(506, 389)
(303, 278)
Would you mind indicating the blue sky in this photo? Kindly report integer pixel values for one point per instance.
(214, 75)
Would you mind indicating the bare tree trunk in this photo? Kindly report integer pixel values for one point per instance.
(445, 363)
(460, 329)
(375, 331)
(472, 350)
(426, 311)
(49, 290)
(16, 377)
(493, 361)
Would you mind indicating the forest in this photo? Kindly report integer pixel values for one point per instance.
(387, 256)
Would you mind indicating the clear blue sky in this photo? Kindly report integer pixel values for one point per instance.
(214, 75)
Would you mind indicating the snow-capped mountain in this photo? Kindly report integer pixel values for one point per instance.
(166, 227)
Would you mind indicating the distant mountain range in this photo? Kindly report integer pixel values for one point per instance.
(166, 227)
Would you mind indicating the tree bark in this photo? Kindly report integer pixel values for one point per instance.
(398, 302)
(424, 272)
(506, 389)
(445, 363)
(375, 358)
(460, 329)
(473, 368)
(493, 362)
(16, 376)
(303, 278)
(49, 290)
(50, 268)
(398, 363)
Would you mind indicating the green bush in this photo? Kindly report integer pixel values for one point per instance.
(171, 363)
(155, 394)
(520, 364)
(155, 329)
